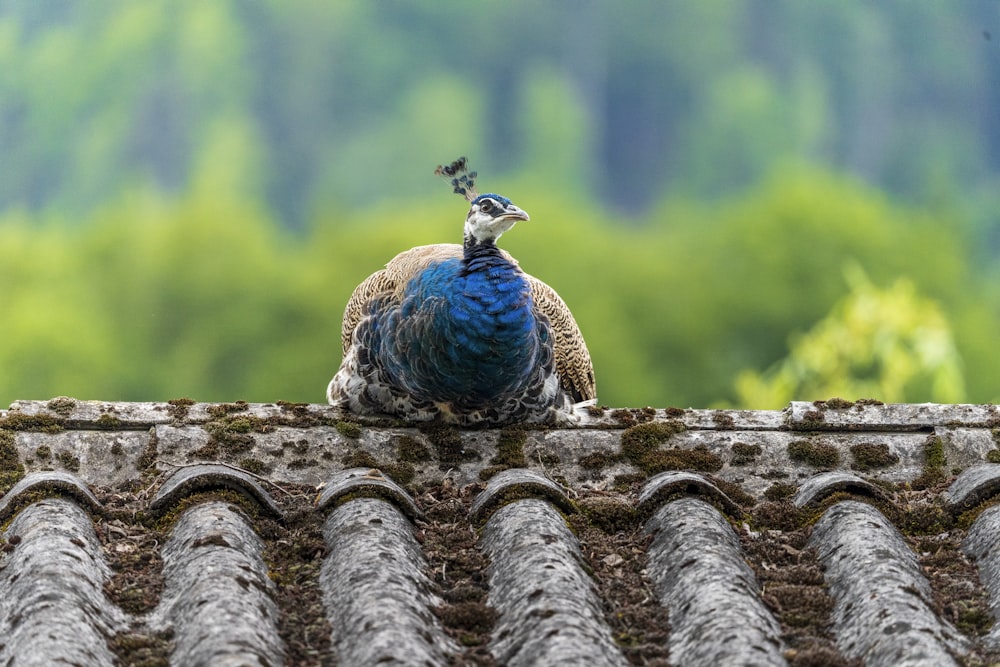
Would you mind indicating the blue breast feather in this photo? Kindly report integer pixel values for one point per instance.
(462, 333)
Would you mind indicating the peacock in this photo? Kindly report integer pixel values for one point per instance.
(460, 334)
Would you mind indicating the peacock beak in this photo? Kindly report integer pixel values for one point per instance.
(514, 213)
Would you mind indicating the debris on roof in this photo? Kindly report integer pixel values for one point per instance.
(831, 533)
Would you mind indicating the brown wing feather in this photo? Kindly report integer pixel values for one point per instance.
(376, 283)
(576, 371)
(573, 364)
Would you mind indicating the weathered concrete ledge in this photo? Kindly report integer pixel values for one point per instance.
(110, 444)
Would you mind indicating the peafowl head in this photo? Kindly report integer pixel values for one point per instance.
(490, 215)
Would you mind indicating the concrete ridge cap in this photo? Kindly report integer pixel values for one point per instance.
(829, 415)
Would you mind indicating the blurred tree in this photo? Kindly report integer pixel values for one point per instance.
(49, 337)
(205, 296)
(719, 289)
(110, 94)
(889, 344)
(153, 156)
(699, 98)
(747, 125)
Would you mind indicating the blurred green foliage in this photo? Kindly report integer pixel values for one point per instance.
(625, 102)
(889, 343)
(189, 191)
(204, 296)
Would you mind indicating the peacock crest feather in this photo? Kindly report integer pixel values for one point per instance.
(462, 180)
(460, 333)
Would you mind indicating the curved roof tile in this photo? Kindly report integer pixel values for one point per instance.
(358, 541)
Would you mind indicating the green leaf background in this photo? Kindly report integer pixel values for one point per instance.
(189, 191)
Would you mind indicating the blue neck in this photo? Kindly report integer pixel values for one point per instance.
(481, 256)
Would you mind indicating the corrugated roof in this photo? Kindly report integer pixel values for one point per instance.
(179, 533)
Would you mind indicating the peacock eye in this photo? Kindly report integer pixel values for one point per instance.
(486, 206)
